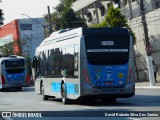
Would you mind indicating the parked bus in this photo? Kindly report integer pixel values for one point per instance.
(13, 72)
(85, 63)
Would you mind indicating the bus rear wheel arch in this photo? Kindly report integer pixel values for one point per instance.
(44, 97)
(64, 93)
(41, 87)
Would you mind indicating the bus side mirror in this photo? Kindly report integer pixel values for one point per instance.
(33, 64)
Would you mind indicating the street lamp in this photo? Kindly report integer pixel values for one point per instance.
(44, 26)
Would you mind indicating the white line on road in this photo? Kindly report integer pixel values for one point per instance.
(8, 118)
(133, 119)
(87, 107)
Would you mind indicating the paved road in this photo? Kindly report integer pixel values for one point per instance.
(28, 100)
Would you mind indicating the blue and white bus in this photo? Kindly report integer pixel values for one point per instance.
(85, 63)
(13, 72)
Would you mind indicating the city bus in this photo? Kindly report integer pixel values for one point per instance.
(85, 63)
(13, 72)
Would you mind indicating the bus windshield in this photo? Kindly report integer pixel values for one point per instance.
(107, 49)
(14, 63)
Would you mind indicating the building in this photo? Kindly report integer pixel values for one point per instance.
(10, 33)
(95, 10)
(30, 33)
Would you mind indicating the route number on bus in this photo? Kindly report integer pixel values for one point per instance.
(107, 43)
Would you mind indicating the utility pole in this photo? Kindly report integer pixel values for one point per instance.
(49, 17)
(130, 9)
(148, 47)
(96, 11)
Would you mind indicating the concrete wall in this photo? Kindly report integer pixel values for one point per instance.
(153, 24)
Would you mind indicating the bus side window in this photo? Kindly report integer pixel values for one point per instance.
(76, 60)
(34, 68)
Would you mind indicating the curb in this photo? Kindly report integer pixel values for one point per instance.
(151, 87)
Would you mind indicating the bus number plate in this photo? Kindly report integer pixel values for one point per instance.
(107, 43)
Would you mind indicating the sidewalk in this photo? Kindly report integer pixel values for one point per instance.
(147, 85)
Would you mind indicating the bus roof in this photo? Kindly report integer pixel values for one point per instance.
(11, 57)
(70, 33)
(61, 34)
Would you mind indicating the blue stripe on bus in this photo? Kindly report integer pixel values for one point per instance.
(56, 87)
(71, 88)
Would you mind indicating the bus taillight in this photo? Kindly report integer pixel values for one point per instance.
(3, 80)
(85, 74)
(130, 74)
(28, 78)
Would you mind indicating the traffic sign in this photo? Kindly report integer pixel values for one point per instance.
(149, 49)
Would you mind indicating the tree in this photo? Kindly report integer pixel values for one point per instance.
(64, 16)
(1, 16)
(8, 48)
(115, 19)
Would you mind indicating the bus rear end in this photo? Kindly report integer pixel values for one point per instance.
(107, 66)
(14, 73)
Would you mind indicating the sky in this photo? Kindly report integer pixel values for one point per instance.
(13, 9)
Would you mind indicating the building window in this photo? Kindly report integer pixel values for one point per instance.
(102, 9)
(26, 26)
(89, 16)
(156, 4)
(116, 2)
(94, 13)
(124, 2)
(108, 6)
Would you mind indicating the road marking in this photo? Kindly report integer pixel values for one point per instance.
(134, 119)
(7, 118)
(89, 107)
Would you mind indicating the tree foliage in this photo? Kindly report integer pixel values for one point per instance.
(8, 48)
(1, 16)
(115, 19)
(64, 16)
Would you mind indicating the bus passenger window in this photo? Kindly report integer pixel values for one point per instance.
(76, 60)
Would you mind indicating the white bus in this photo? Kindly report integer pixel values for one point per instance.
(13, 72)
(85, 63)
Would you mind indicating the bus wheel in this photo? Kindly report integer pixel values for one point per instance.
(63, 94)
(41, 87)
(19, 88)
(45, 97)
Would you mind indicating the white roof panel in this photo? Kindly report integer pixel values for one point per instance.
(78, 5)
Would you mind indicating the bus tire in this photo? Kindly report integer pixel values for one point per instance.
(19, 88)
(41, 87)
(45, 97)
(63, 94)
